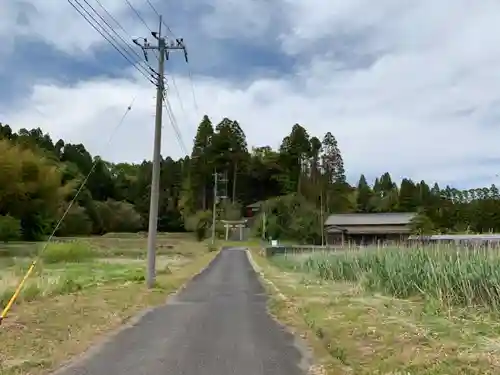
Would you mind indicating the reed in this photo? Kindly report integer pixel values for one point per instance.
(452, 275)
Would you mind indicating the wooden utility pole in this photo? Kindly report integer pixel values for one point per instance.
(322, 220)
(163, 50)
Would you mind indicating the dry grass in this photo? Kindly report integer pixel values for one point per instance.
(54, 320)
(356, 332)
(131, 245)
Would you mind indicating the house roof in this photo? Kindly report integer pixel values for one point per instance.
(255, 205)
(389, 218)
(371, 229)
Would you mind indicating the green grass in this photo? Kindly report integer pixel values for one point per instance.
(68, 303)
(69, 265)
(75, 252)
(64, 278)
(386, 311)
(130, 245)
(456, 277)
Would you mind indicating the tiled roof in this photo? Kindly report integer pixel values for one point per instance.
(392, 218)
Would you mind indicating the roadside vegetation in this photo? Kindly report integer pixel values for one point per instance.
(90, 279)
(81, 289)
(432, 310)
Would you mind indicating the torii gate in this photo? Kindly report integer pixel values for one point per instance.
(234, 224)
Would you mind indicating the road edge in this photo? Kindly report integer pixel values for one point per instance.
(258, 270)
(106, 338)
(308, 363)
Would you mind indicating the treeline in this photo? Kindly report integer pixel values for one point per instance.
(38, 178)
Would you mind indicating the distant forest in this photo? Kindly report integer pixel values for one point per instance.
(39, 177)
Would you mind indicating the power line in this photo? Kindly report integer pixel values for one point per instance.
(158, 14)
(138, 15)
(123, 29)
(177, 93)
(114, 42)
(192, 89)
(195, 102)
(134, 52)
(175, 126)
(109, 38)
(20, 286)
(134, 9)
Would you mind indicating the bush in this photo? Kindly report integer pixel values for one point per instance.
(199, 223)
(118, 216)
(10, 228)
(70, 252)
(290, 217)
(230, 210)
(76, 222)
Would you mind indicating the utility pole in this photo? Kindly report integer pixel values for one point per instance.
(263, 226)
(163, 48)
(214, 208)
(322, 220)
(222, 179)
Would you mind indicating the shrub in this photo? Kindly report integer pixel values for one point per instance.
(70, 252)
(76, 222)
(290, 217)
(118, 216)
(10, 228)
(199, 223)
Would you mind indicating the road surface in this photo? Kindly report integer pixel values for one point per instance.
(218, 325)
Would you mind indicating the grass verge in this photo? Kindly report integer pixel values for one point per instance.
(355, 330)
(52, 323)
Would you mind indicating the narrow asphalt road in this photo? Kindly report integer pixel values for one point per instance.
(218, 325)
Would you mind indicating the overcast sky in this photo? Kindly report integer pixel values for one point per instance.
(408, 87)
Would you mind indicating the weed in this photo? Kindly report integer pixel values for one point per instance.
(70, 252)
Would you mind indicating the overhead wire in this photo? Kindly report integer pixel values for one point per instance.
(20, 286)
(138, 14)
(195, 102)
(177, 93)
(158, 14)
(192, 89)
(109, 38)
(166, 101)
(125, 31)
(173, 122)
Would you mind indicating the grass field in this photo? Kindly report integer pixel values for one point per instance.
(81, 289)
(425, 311)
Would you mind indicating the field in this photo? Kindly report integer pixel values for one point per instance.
(81, 289)
(432, 310)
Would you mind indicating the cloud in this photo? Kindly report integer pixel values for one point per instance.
(412, 88)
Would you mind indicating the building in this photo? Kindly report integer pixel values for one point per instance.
(252, 209)
(361, 228)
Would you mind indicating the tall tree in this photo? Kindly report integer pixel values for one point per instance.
(201, 163)
(294, 150)
(333, 164)
(364, 195)
(239, 153)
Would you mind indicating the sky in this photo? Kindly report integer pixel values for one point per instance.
(407, 87)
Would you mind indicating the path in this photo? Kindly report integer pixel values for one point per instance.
(217, 326)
